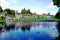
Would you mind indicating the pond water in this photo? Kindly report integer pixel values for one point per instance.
(29, 31)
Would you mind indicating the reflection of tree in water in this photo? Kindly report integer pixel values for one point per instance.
(10, 26)
(1, 25)
(0, 28)
(26, 27)
(58, 27)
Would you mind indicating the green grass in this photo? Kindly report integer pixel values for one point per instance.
(2, 20)
(37, 19)
(55, 19)
(33, 19)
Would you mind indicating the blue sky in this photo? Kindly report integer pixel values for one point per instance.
(38, 6)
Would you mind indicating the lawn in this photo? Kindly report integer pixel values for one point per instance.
(2, 20)
(33, 19)
(56, 19)
(37, 19)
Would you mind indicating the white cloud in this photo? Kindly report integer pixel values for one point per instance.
(4, 3)
(7, 3)
(15, 1)
(51, 5)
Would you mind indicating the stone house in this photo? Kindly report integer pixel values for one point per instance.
(9, 17)
(49, 15)
(1, 13)
(17, 14)
(43, 16)
(27, 15)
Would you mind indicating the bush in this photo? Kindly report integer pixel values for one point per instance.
(57, 15)
(2, 17)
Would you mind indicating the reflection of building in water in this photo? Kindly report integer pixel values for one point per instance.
(20, 24)
(1, 25)
(46, 24)
(26, 27)
(35, 24)
(10, 22)
(9, 25)
(43, 24)
(23, 25)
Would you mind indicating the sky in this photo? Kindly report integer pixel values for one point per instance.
(38, 6)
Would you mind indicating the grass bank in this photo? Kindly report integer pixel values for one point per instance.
(37, 19)
(2, 20)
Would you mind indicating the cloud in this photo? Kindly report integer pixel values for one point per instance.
(7, 3)
(51, 5)
(15, 1)
(4, 3)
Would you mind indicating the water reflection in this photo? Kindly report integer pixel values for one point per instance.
(1, 25)
(26, 27)
(58, 28)
(36, 29)
(9, 25)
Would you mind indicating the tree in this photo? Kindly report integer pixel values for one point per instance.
(23, 11)
(57, 2)
(57, 15)
(5, 14)
(28, 11)
(13, 12)
(1, 10)
(8, 11)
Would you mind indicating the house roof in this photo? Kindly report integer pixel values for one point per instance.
(49, 14)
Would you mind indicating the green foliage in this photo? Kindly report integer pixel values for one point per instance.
(24, 11)
(1, 10)
(13, 12)
(56, 2)
(9, 12)
(2, 17)
(57, 15)
(5, 14)
(28, 11)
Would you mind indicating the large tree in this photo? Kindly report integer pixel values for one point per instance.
(28, 11)
(57, 2)
(13, 12)
(23, 11)
(8, 11)
(1, 10)
(58, 14)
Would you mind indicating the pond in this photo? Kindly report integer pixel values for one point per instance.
(28, 31)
